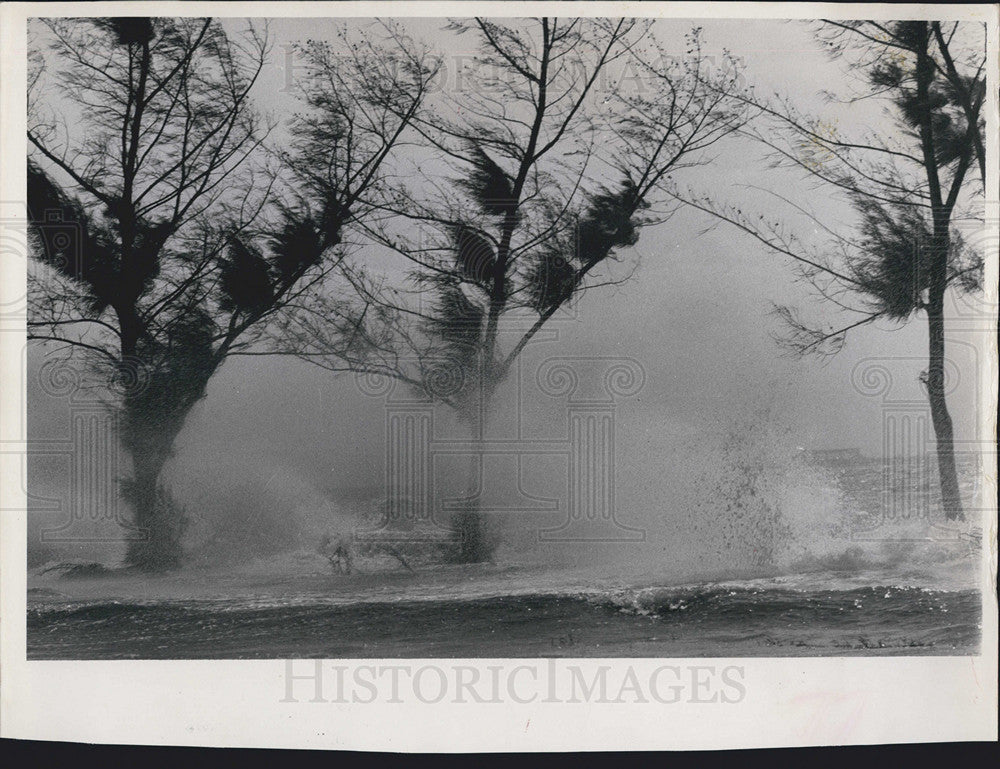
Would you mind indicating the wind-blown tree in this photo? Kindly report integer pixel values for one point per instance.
(178, 257)
(907, 187)
(528, 183)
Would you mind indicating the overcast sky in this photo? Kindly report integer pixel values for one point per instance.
(695, 315)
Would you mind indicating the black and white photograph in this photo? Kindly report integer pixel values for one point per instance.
(420, 335)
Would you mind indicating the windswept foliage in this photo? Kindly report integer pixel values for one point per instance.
(161, 244)
(907, 186)
(553, 163)
(488, 184)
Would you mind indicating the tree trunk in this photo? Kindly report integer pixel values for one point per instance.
(159, 523)
(943, 432)
(154, 414)
(149, 438)
(937, 265)
(470, 534)
(473, 540)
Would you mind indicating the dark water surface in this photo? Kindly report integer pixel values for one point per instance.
(708, 621)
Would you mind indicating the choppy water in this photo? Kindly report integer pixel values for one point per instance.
(709, 620)
(883, 587)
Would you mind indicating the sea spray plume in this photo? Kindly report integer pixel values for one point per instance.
(245, 506)
(755, 527)
(741, 506)
(242, 520)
